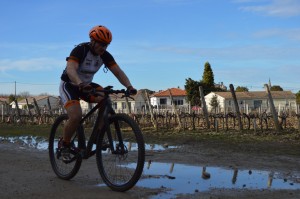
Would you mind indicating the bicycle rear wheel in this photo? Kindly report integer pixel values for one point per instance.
(64, 170)
(121, 165)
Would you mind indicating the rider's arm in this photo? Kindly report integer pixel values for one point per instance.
(110, 62)
(72, 67)
(120, 75)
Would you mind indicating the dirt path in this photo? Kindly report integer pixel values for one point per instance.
(26, 173)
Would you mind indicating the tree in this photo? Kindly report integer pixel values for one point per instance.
(11, 98)
(207, 83)
(214, 103)
(24, 94)
(208, 76)
(44, 94)
(298, 97)
(192, 91)
(276, 88)
(241, 89)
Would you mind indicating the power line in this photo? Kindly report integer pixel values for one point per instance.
(37, 83)
(7, 82)
(28, 83)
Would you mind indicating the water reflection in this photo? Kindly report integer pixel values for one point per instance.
(205, 175)
(29, 141)
(183, 179)
(42, 143)
(234, 177)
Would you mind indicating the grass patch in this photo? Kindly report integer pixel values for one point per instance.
(10, 130)
(286, 142)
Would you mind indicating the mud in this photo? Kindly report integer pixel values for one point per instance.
(26, 172)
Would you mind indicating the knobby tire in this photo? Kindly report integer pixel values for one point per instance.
(121, 172)
(61, 169)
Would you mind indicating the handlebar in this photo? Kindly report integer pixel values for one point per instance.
(109, 90)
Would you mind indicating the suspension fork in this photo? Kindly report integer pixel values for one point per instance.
(120, 138)
(108, 112)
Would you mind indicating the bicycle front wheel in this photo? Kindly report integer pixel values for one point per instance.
(64, 170)
(121, 153)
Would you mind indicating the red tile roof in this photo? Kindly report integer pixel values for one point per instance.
(174, 92)
(258, 95)
(4, 99)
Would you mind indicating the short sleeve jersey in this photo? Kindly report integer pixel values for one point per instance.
(89, 63)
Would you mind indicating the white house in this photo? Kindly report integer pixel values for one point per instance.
(162, 100)
(3, 106)
(252, 100)
(3, 100)
(136, 104)
(140, 100)
(120, 105)
(42, 102)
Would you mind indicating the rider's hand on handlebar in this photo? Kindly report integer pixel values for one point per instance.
(131, 90)
(85, 87)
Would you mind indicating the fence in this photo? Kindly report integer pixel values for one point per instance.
(169, 121)
(176, 118)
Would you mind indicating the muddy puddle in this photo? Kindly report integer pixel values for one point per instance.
(187, 179)
(175, 178)
(42, 144)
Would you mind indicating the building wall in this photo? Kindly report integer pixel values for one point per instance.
(221, 100)
(140, 104)
(54, 103)
(158, 107)
(248, 105)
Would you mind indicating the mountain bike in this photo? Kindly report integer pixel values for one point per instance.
(116, 139)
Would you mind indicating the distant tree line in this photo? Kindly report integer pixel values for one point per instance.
(20, 96)
(245, 89)
(208, 85)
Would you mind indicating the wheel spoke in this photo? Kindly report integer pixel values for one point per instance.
(121, 169)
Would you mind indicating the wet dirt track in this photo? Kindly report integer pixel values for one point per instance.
(26, 173)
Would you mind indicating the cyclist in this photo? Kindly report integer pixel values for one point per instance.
(82, 64)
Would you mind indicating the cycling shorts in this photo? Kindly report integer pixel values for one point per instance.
(70, 94)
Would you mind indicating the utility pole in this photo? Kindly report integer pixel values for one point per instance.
(15, 89)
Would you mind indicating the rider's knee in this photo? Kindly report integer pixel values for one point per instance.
(74, 112)
(75, 117)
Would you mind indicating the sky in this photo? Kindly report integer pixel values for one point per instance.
(158, 43)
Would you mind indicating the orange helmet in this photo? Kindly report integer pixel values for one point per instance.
(101, 34)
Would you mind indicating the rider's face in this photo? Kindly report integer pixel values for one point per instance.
(99, 47)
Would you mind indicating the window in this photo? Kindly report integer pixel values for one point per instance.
(257, 103)
(123, 105)
(115, 105)
(163, 101)
(178, 102)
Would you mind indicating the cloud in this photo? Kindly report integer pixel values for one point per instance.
(244, 52)
(33, 64)
(170, 2)
(291, 34)
(278, 8)
(247, 1)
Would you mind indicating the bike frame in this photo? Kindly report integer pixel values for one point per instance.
(104, 110)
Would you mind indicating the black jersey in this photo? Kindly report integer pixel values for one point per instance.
(89, 63)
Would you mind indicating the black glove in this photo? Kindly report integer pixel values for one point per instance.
(85, 87)
(131, 90)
